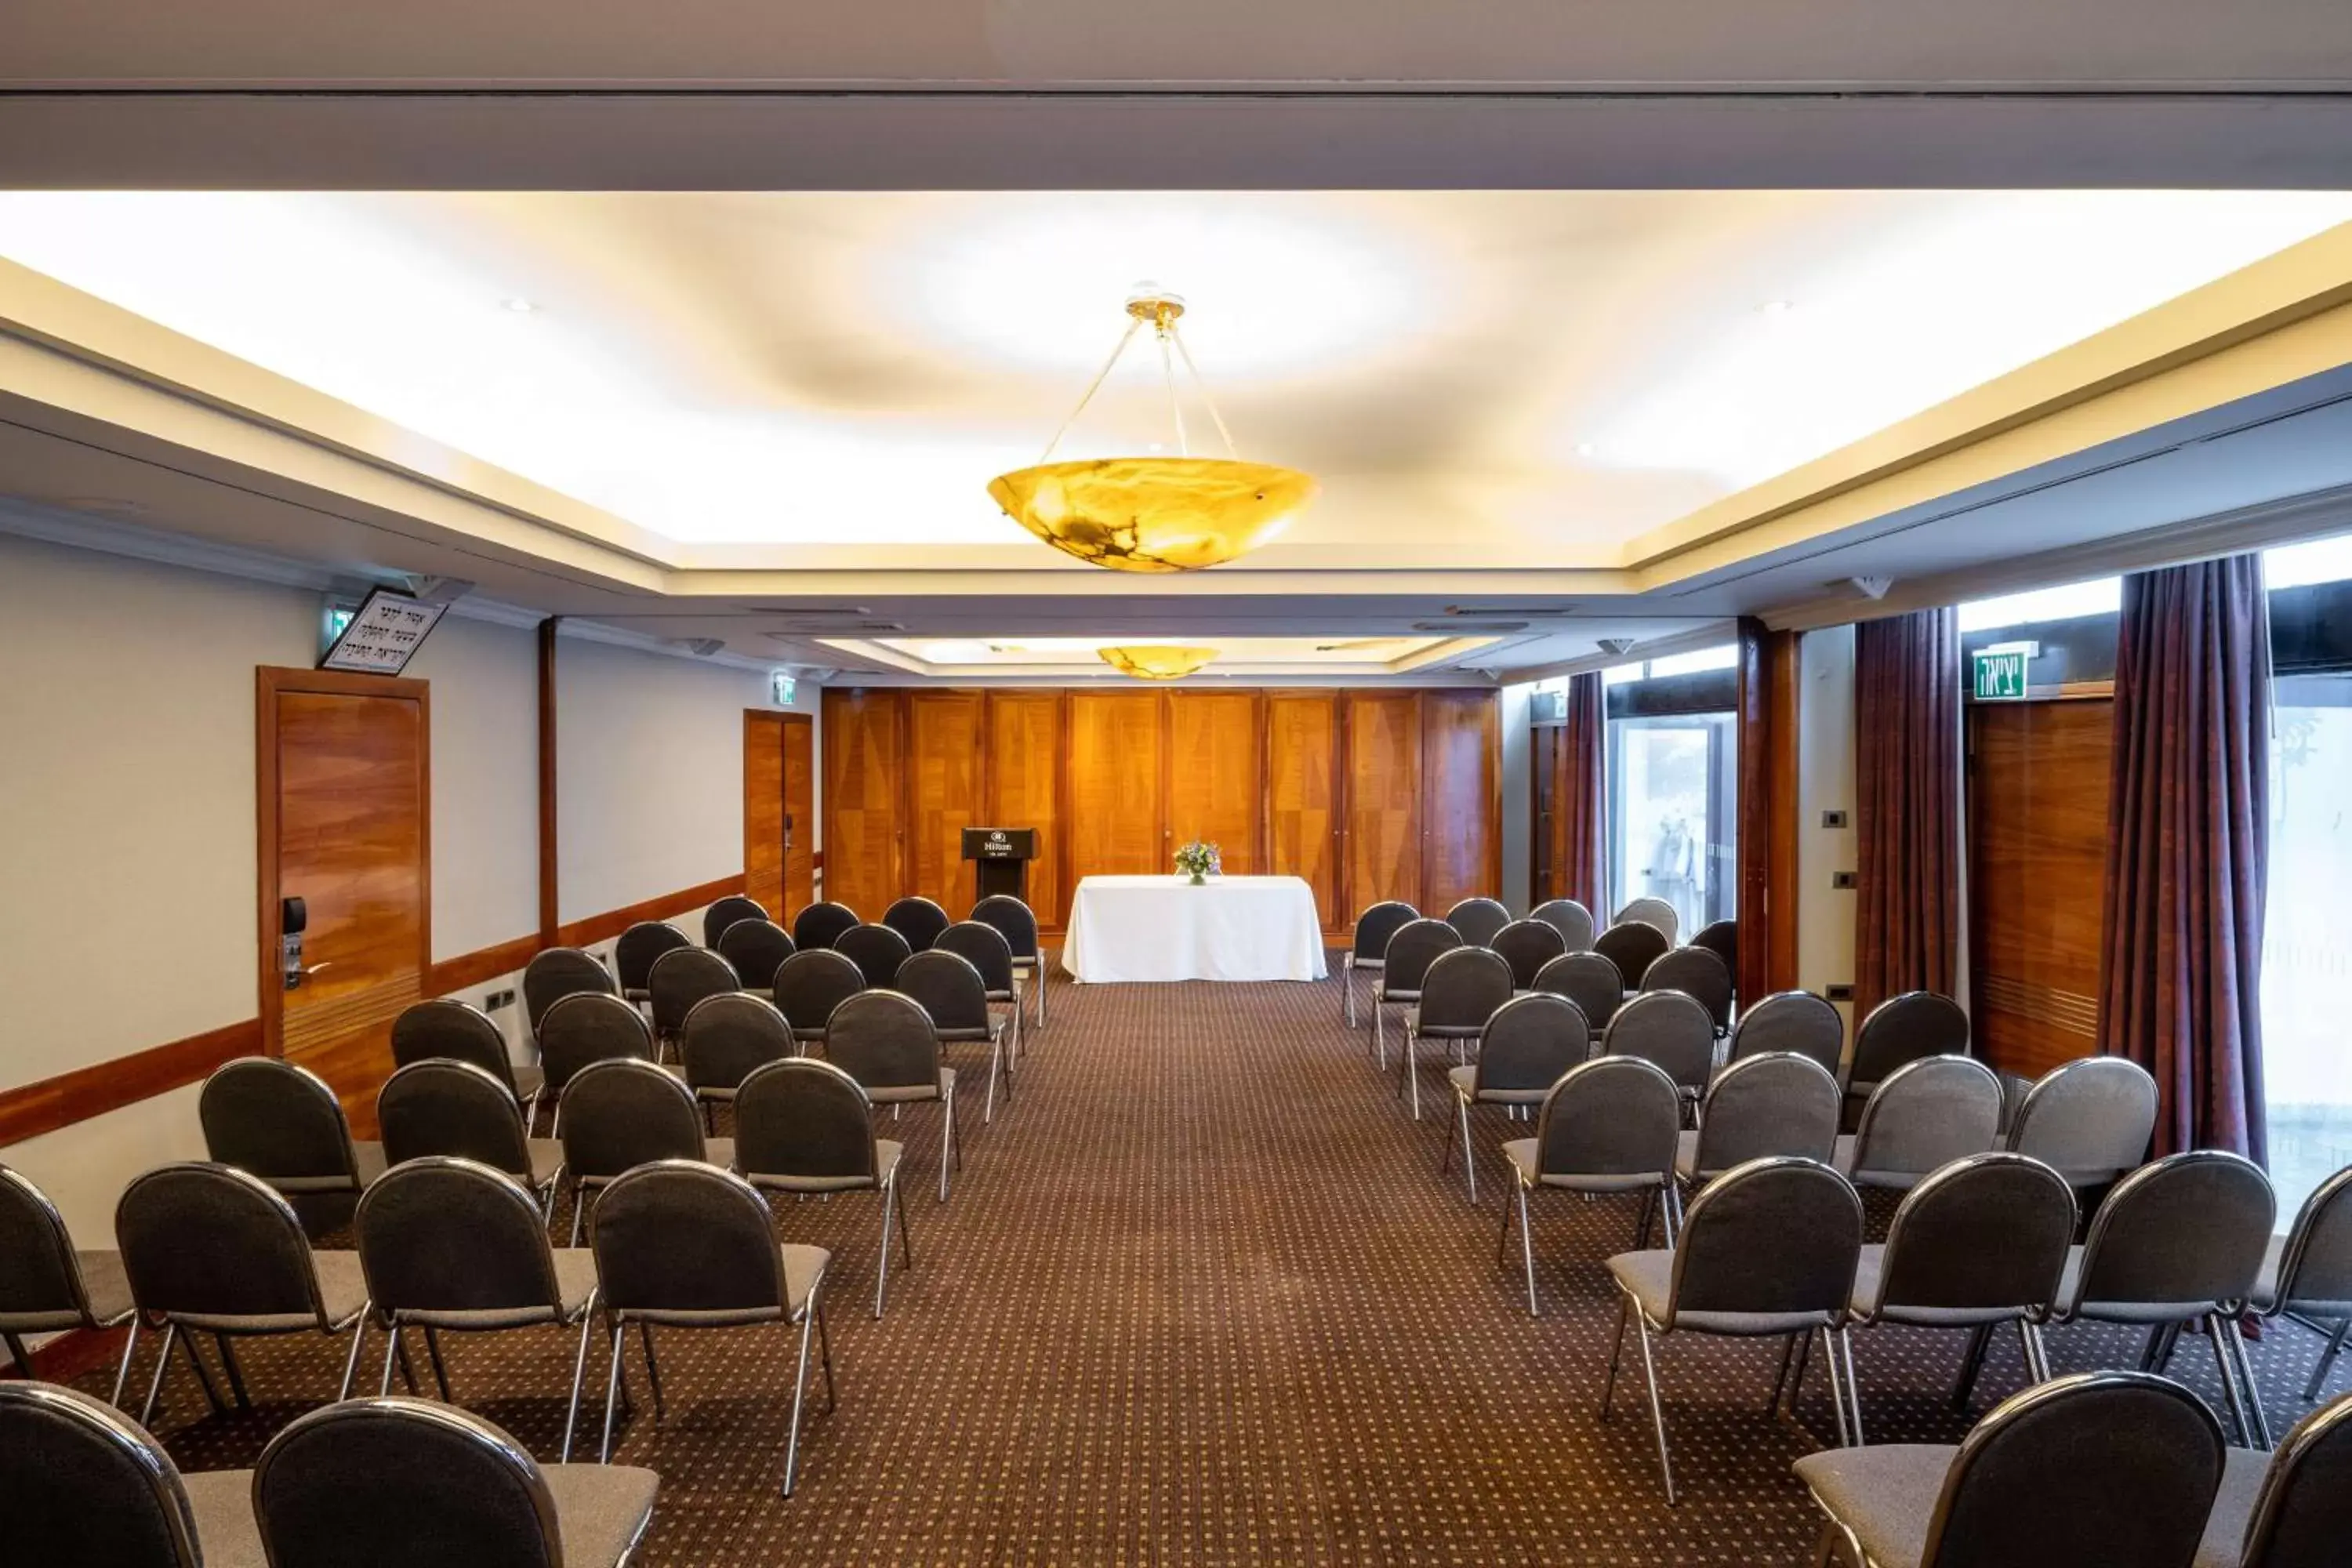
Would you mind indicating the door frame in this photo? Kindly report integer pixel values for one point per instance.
(271, 681)
(784, 774)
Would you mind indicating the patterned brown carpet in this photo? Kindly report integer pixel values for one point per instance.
(1201, 1296)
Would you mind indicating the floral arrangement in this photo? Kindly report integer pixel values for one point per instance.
(1197, 859)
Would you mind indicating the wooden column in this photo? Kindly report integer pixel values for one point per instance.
(550, 911)
(1766, 707)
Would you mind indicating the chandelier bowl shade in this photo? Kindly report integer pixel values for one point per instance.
(1157, 663)
(1153, 513)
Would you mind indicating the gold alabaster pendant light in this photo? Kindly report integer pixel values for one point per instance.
(1153, 513)
(1156, 663)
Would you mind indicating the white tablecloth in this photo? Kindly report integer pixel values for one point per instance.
(1162, 928)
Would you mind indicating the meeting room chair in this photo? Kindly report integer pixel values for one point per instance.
(1698, 975)
(681, 1245)
(985, 947)
(622, 1113)
(804, 1127)
(1527, 946)
(446, 1027)
(449, 1487)
(1925, 1115)
(47, 1285)
(884, 1041)
(678, 980)
(1608, 1126)
(1796, 1021)
(949, 987)
(1905, 1029)
(1017, 922)
(809, 985)
(2293, 1511)
(1369, 947)
(2109, 1468)
(1671, 1029)
(454, 1246)
(1654, 913)
(727, 1038)
(725, 912)
(820, 925)
(453, 1109)
(1758, 1107)
(1461, 991)
(1722, 939)
(1570, 919)
(2308, 1274)
(208, 1248)
(916, 919)
(1528, 1045)
(1589, 981)
(634, 953)
(1478, 919)
(1632, 946)
(1405, 962)
(83, 1486)
(2090, 1120)
(877, 951)
(279, 1122)
(584, 1029)
(756, 949)
(556, 972)
(1769, 1250)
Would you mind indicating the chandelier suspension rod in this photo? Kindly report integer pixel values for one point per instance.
(1203, 383)
(1095, 384)
(1168, 372)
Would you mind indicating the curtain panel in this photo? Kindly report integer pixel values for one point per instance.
(1583, 796)
(1908, 807)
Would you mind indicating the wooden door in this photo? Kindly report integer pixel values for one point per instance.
(1381, 855)
(864, 798)
(1548, 833)
(1461, 797)
(1026, 732)
(1117, 811)
(800, 818)
(1215, 774)
(344, 820)
(763, 810)
(2037, 818)
(947, 737)
(1302, 795)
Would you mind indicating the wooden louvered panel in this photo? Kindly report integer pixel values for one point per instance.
(1302, 800)
(1117, 774)
(865, 805)
(1215, 775)
(1025, 747)
(1460, 798)
(947, 740)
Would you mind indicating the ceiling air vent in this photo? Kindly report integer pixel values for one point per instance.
(1469, 628)
(1500, 611)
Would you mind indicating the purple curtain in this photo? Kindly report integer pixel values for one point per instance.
(2189, 851)
(1906, 679)
(1583, 796)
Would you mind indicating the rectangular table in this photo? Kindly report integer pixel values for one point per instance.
(1162, 928)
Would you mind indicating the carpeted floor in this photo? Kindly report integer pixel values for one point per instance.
(1202, 1296)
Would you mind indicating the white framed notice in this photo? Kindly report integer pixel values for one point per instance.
(384, 635)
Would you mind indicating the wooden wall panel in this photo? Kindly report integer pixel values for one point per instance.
(1381, 857)
(2037, 817)
(1302, 795)
(1026, 742)
(763, 810)
(864, 808)
(800, 816)
(1216, 774)
(1548, 829)
(1118, 807)
(1461, 799)
(947, 737)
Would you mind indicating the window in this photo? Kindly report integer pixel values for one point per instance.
(1673, 786)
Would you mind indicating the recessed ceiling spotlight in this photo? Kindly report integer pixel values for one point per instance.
(1585, 448)
(518, 304)
(1779, 307)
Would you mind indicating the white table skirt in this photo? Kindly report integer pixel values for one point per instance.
(1162, 928)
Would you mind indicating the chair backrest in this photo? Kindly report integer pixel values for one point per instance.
(2188, 1228)
(1795, 1021)
(987, 951)
(877, 951)
(39, 1276)
(372, 1483)
(2303, 1515)
(1632, 946)
(2315, 1274)
(1990, 1230)
(1654, 913)
(634, 954)
(1778, 1103)
(821, 926)
(1527, 946)
(624, 1112)
(559, 972)
(1016, 919)
(1908, 1029)
(1697, 973)
(807, 1120)
(280, 1122)
(591, 1027)
(212, 1241)
(1570, 919)
(1478, 919)
(84, 1486)
(884, 1039)
(1378, 923)
(452, 1107)
(1589, 980)
(2101, 1467)
(917, 920)
(682, 978)
(810, 983)
(949, 987)
(459, 1031)
(1530, 1042)
(756, 949)
(1928, 1113)
(1777, 1234)
(2090, 1120)
(681, 1236)
(1412, 950)
(728, 1036)
(1666, 1027)
(724, 913)
(1722, 939)
(1462, 990)
(443, 1235)
(1612, 1116)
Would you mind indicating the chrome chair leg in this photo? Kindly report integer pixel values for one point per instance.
(653, 1369)
(2253, 1395)
(1348, 984)
(612, 1387)
(440, 1372)
(1616, 1352)
(2310, 1390)
(2238, 1415)
(579, 1371)
(212, 1394)
(155, 1383)
(2040, 1352)
(129, 1346)
(1469, 1162)
(1964, 1386)
(1657, 1409)
(882, 1262)
(1837, 1384)
(236, 1373)
(1781, 1379)
(988, 1106)
(1844, 1338)
(800, 1390)
(1528, 1250)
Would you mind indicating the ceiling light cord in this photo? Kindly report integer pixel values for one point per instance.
(1092, 388)
(1168, 373)
(1201, 381)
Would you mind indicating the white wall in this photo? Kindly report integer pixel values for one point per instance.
(1825, 782)
(485, 697)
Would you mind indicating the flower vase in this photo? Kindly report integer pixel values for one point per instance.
(1199, 880)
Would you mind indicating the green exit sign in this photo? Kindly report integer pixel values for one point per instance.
(2000, 674)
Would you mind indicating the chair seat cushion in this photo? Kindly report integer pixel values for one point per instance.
(546, 1160)
(576, 1281)
(1414, 1026)
(2266, 1287)
(342, 1292)
(1648, 1277)
(886, 1155)
(2233, 1505)
(1686, 1155)
(103, 1281)
(1357, 960)
(905, 1093)
(1464, 1080)
(222, 1502)
(2149, 1313)
(1884, 1494)
(601, 1511)
(1521, 1153)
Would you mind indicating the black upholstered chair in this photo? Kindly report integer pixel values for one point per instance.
(1589, 980)
(1461, 990)
(678, 980)
(1478, 919)
(1632, 946)
(1769, 1250)
(1570, 919)
(634, 953)
(1527, 1045)
(625, 1112)
(2090, 1120)
(438, 1107)
(46, 1284)
(1670, 1028)
(2309, 1273)
(582, 1030)
(884, 1041)
(1527, 946)
(1697, 973)
(877, 951)
(719, 916)
(556, 972)
(1923, 1116)
(446, 1027)
(454, 1246)
(1607, 1126)
(1411, 951)
(985, 947)
(1776, 1104)
(283, 1123)
(1370, 946)
(820, 925)
(1795, 1021)
(726, 1037)
(685, 1246)
(756, 949)
(916, 919)
(83, 1486)
(804, 1127)
(949, 987)
(1018, 924)
(1654, 913)
(1906, 1028)
(1721, 939)
(2296, 1510)
(809, 985)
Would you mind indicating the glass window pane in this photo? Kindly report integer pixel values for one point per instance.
(1672, 803)
(2101, 597)
(2306, 942)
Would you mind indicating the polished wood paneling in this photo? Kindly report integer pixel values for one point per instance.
(1547, 828)
(2037, 817)
(1461, 797)
(1216, 774)
(1117, 779)
(467, 970)
(947, 738)
(763, 808)
(1026, 740)
(800, 818)
(590, 930)
(1381, 855)
(865, 805)
(1302, 794)
(32, 1109)
(1765, 707)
